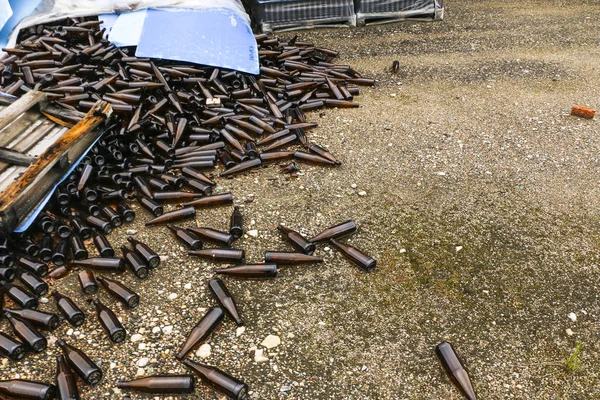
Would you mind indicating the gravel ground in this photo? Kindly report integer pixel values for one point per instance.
(480, 207)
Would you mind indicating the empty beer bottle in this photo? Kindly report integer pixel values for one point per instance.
(39, 319)
(120, 292)
(81, 363)
(250, 271)
(27, 390)
(66, 382)
(219, 380)
(290, 258)
(297, 240)
(99, 223)
(225, 299)
(27, 333)
(58, 272)
(336, 231)
(161, 384)
(203, 329)
(213, 235)
(220, 255)
(77, 247)
(33, 265)
(150, 205)
(11, 348)
(73, 314)
(7, 260)
(236, 223)
(111, 215)
(151, 258)
(108, 264)
(33, 282)
(19, 295)
(211, 201)
(186, 237)
(60, 252)
(81, 228)
(109, 322)
(135, 263)
(172, 216)
(125, 212)
(103, 245)
(87, 282)
(356, 256)
(7, 273)
(46, 250)
(456, 372)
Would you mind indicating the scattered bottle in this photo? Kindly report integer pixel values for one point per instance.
(250, 271)
(66, 382)
(356, 256)
(290, 258)
(225, 299)
(456, 372)
(336, 231)
(219, 380)
(189, 238)
(297, 240)
(161, 384)
(73, 314)
(135, 263)
(220, 255)
(20, 296)
(109, 321)
(108, 264)
(120, 292)
(27, 334)
(39, 319)
(87, 282)
(81, 363)
(236, 228)
(151, 258)
(27, 390)
(172, 216)
(203, 329)
(11, 348)
(213, 235)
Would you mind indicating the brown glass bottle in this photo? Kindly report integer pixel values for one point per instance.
(78, 249)
(192, 173)
(125, 212)
(356, 256)
(203, 329)
(103, 245)
(73, 314)
(213, 235)
(87, 282)
(120, 292)
(142, 186)
(211, 201)
(456, 372)
(150, 205)
(336, 231)
(112, 215)
(312, 158)
(241, 167)
(27, 333)
(33, 282)
(81, 363)
(19, 295)
(189, 238)
(7, 273)
(200, 187)
(66, 382)
(171, 216)
(250, 271)
(135, 263)
(27, 390)
(161, 384)
(107, 264)
(220, 255)
(236, 224)
(99, 223)
(11, 348)
(58, 273)
(219, 380)
(33, 265)
(297, 240)
(46, 248)
(225, 299)
(60, 252)
(290, 258)
(274, 156)
(39, 319)
(109, 322)
(151, 258)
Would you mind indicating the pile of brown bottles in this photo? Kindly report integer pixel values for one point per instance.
(176, 128)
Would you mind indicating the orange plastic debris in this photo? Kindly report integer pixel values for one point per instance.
(583, 112)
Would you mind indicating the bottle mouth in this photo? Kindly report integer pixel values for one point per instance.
(134, 301)
(18, 353)
(118, 337)
(77, 320)
(39, 346)
(94, 378)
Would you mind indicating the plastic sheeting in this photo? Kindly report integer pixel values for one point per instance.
(296, 14)
(397, 9)
(53, 10)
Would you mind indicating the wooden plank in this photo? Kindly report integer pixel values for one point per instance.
(37, 171)
(24, 122)
(12, 112)
(14, 157)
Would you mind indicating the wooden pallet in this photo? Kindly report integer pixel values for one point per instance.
(38, 145)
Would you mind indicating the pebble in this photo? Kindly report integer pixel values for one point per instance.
(240, 330)
(203, 351)
(142, 362)
(131, 231)
(44, 300)
(573, 317)
(362, 193)
(327, 249)
(271, 341)
(458, 248)
(69, 332)
(142, 346)
(253, 233)
(353, 186)
(140, 372)
(259, 356)
(187, 286)
(172, 296)
(570, 332)
(136, 337)
(156, 329)
(167, 329)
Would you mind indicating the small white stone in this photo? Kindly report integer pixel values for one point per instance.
(163, 258)
(327, 249)
(156, 329)
(321, 323)
(570, 332)
(402, 251)
(271, 341)
(291, 335)
(142, 362)
(140, 372)
(353, 186)
(131, 231)
(259, 356)
(187, 286)
(573, 317)
(172, 296)
(44, 300)
(142, 346)
(362, 193)
(167, 329)
(136, 337)
(113, 365)
(240, 330)
(458, 248)
(69, 332)
(203, 351)
(253, 233)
